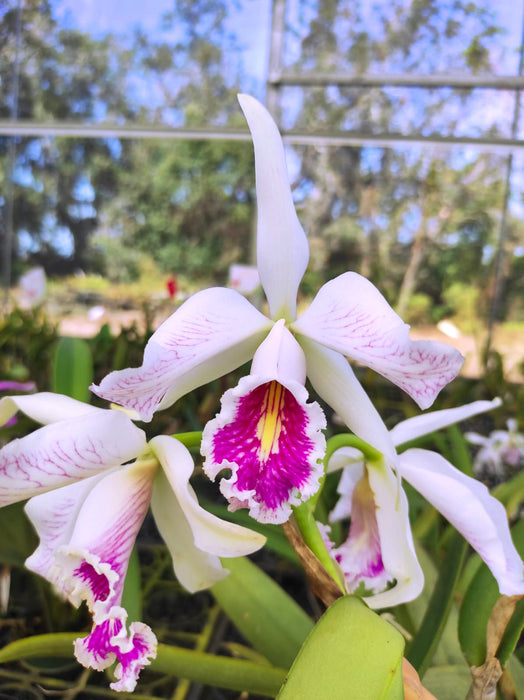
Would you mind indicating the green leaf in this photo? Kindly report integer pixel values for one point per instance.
(476, 608)
(222, 672)
(265, 614)
(411, 615)
(18, 538)
(132, 594)
(425, 641)
(351, 653)
(516, 671)
(448, 682)
(72, 368)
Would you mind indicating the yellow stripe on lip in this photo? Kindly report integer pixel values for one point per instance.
(270, 423)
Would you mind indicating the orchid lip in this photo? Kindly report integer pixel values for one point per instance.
(271, 440)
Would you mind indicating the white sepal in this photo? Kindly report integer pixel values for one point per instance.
(470, 508)
(426, 423)
(282, 249)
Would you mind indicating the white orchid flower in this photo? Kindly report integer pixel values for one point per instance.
(500, 450)
(87, 503)
(379, 547)
(217, 330)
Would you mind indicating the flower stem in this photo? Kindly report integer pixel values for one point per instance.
(308, 526)
(192, 439)
(334, 443)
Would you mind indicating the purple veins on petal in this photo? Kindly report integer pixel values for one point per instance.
(110, 641)
(97, 582)
(360, 556)
(268, 441)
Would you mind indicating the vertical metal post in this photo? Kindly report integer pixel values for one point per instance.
(497, 281)
(11, 163)
(276, 48)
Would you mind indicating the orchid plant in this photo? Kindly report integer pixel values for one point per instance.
(90, 474)
(87, 500)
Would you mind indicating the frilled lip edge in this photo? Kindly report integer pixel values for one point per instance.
(272, 440)
(111, 640)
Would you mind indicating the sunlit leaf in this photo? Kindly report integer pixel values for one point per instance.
(351, 653)
(72, 368)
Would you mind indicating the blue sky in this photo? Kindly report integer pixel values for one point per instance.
(249, 21)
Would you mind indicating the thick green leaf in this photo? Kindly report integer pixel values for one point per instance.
(476, 608)
(352, 653)
(265, 614)
(448, 682)
(18, 539)
(425, 641)
(72, 368)
(219, 671)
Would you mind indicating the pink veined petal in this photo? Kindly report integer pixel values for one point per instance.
(282, 249)
(212, 333)
(470, 508)
(334, 380)
(93, 563)
(67, 451)
(426, 423)
(350, 315)
(53, 515)
(396, 539)
(360, 556)
(195, 538)
(44, 407)
(111, 641)
(271, 439)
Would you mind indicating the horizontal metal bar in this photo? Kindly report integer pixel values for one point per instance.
(336, 138)
(435, 80)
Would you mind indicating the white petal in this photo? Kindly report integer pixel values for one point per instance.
(334, 380)
(413, 428)
(53, 515)
(280, 357)
(212, 333)
(350, 315)
(195, 538)
(67, 451)
(44, 407)
(396, 540)
(282, 249)
(470, 508)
